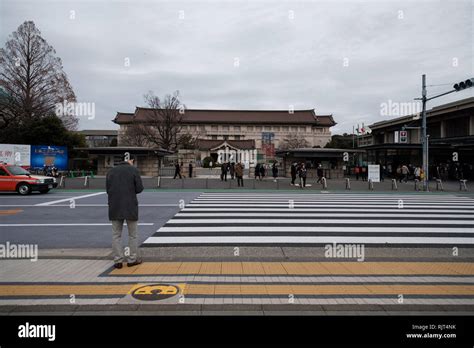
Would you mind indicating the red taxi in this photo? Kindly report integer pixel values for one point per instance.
(15, 178)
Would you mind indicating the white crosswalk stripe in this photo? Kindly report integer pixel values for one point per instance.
(319, 219)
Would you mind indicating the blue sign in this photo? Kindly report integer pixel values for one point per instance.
(42, 155)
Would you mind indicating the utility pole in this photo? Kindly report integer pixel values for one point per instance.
(424, 139)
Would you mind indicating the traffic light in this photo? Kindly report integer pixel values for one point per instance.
(404, 136)
(463, 84)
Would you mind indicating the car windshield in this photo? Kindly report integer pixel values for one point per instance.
(17, 170)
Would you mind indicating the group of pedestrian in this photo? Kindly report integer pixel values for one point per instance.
(227, 168)
(178, 170)
(404, 172)
(235, 170)
(261, 170)
(299, 170)
(362, 172)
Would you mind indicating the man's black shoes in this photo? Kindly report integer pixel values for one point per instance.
(136, 263)
(118, 265)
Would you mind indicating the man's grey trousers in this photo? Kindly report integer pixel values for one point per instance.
(118, 252)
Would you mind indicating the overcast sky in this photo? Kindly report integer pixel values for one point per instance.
(344, 58)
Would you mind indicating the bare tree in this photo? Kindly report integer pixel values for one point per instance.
(187, 141)
(163, 124)
(32, 78)
(293, 141)
(134, 135)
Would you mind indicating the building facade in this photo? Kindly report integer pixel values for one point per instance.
(100, 138)
(264, 130)
(451, 140)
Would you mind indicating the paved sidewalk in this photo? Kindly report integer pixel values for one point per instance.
(214, 183)
(79, 286)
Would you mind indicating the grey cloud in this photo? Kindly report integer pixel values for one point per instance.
(282, 61)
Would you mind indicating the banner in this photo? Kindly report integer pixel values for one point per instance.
(374, 172)
(42, 155)
(268, 148)
(17, 154)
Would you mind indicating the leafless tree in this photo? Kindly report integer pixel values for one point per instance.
(32, 79)
(163, 124)
(293, 141)
(134, 135)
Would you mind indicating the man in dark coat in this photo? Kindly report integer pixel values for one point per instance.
(123, 182)
(224, 170)
(320, 174)
(293, 173)
(177, 170)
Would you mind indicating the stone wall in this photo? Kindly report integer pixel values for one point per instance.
(148, 165)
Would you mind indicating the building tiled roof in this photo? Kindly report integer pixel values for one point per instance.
(307, 117)
(206, 144)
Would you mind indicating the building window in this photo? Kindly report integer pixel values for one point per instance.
(250, 128)
(214, 137)
(302, 129)
(214, 128)
(192, 128)
(202, 127)
(237, 137)
(225, 128)
(276, 128)
(267, 128)
(285, 128)
(457, 127)
(237, 128)
(294, 129)
(258, 128)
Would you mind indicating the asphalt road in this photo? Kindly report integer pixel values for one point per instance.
(50, 222)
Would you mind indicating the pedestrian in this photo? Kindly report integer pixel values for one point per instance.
(257, 171)
(302, 172)
(363, 172)
(275, 171)
(262, 171)
(190, 171)
(405, 173)
(123, 183)
(417, 173)
(382, 172)
(239, 173)
(357, 171)
(293, 170)
(319, 173)
(177, 170)
(224, 169)
(232, 170)
(399, 173)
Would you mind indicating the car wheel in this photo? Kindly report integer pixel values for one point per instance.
(44, 191)
(23, 189)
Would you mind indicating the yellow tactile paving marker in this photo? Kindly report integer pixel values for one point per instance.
(19, 290)
(297, 268)
(457, 286)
